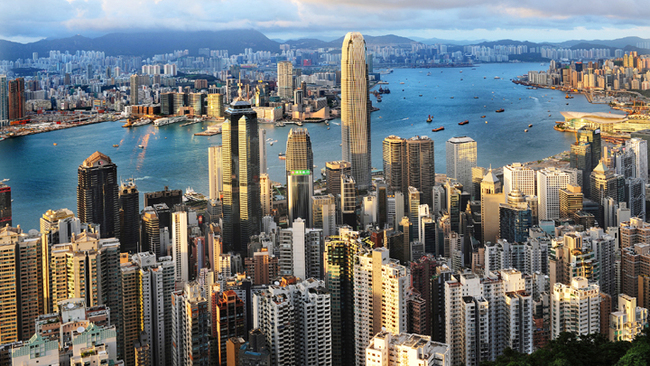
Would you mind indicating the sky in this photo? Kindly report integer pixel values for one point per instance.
(532, 20)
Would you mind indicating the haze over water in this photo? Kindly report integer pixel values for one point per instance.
(43, 176)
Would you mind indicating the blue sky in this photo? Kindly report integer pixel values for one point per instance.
(533, 20)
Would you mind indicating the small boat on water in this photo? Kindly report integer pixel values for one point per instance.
(496, 77)
(451, 97)
(141, 146)
(530, 125)
(526, 130)
(429, 119)
(464, 122)
(501, 110)
(54, 144)
(420, 94)
(475, 97)
(483, 116)
(116, 145)
(438, 129)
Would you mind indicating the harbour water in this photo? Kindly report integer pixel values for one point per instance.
(44, 176)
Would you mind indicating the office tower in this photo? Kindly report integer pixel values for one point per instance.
(129, 291)
(180, 249)
(97, 194)
(300, 251)
(491, 199)
(515, 218)
(348, 201)
(605, 184)
(386, 349)
(5, 205)
(166, 196)
(395, 171)
(134, 90)
(635, 196)
(215, 105)
(339, 280)
(23, 283)
(380, 292)
(241, 170)
(215, 171)
(254, 352)
(285, 79)
(517, 176)
(641, 134)
(461, 158)
(167, 104)
(227, 322)
(4, 106)
(333, 172)
(304, 309)
(422, 271)
(629, 321)
(420, 166)
(197, 101)
(266, 194)
(586, 153)
(355, 109)
(154, 235)
(16, 99)
(324, 214)
(59, 226)
(413, 213)
(300, 177)
(575, 308)
(549, 183)
(571, 199)
(263, 160)
(129, 217)
(190, 327)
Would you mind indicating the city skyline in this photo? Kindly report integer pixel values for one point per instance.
(467, 20)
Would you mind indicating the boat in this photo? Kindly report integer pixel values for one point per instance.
(141, 146)
(530, 125)
(54, 144)
(116, 145)
(401, 82)
(451, 97)
(500, 110)
(328, 128)
(485, 121)
(568, 96)
(429, 119)
(526, 130)
(496, 78)
(438, 129)
(464, 122)
(141, 122)
(483, 116)
(379, 99)
(428, 74)
(567, 104)
(169, 120)
(282, 158)
(281, 154)
(483, 77)
(386, 91)
(549, 115)
(475, 97)
(271, 143)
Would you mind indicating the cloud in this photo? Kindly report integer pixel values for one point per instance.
(29, 19)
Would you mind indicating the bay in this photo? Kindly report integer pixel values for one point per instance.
(43, 176)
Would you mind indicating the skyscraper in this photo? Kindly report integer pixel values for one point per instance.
(517, 176)
(215, 105)
(575, 308)
(333, 172)
(300, 179)
(215, 171)
(5, 205)
(395, 171)
(461, 158)
(285, 79)
(348, 201)
(549, 183)
(640, 148)
(420, 166)
(129, 217)
(97, 194)
(190, 327)
(4, 106)
(16, 98)
(135, 87)
(241, 175)
(355, 109)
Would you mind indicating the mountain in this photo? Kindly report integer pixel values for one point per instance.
(613, 43)
(386, 40)
(145, 44)
(447, 41)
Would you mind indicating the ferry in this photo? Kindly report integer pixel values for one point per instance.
(281, 154)
(464, 122)
(500, 110)
(438, 129)
(496, 78)
(141, 122)
(401, 82)
(429, 119)
(169, 120)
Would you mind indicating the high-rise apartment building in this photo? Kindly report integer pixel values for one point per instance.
(333, 172)
(129, 217)
(266, 195)
(420, 166)
(515, 218)
(98, 194)
(300, 177)
(285, 79)
(227, 322)
(575, 308)
(4, 101)
(135, 89)
(461, 158)
(380, 293)
(629, 321)
(549, 183)
(571, 199)
(404, 349)
(190, 327)
(324, 214)
(355, 109)
(640, 148)
(215, 171)
(180, 246)
(16, 98)
(5, 204)
(241, 174)
(518, 176)
(300, 251)
(395, 171)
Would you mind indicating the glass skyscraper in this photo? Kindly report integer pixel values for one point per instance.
(300, 176)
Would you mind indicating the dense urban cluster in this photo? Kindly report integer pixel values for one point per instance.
(398, 268)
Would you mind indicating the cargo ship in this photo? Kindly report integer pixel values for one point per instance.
(464, 122)
(438, 129)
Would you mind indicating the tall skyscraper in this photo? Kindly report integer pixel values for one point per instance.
(215, 105)
(395, 171)
(180, 246)
(227, 321)
(348, 201)
(491, 198)
(98, 194)
(333, 172)
(16, 98)
(355, 109)
(266, 194)
(461, 158)
(300, 177)
(517, 176)
(263, 160)
(190, 327)
(241, 176)
(129, 217)
(5, 205)
(285, 79)
(135, 87)
(549, 183)
(640, 148)
(4, 101)
(420, 166)
(215, 171)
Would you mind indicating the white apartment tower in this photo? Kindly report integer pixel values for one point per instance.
(640, 148)
(285, 79)
(300, 251)
(406, 349)
(215, 171)
(549, 183)
(380, 291)
(180, 249)
(575, 308)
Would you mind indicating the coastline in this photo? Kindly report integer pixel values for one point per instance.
(15, 131)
